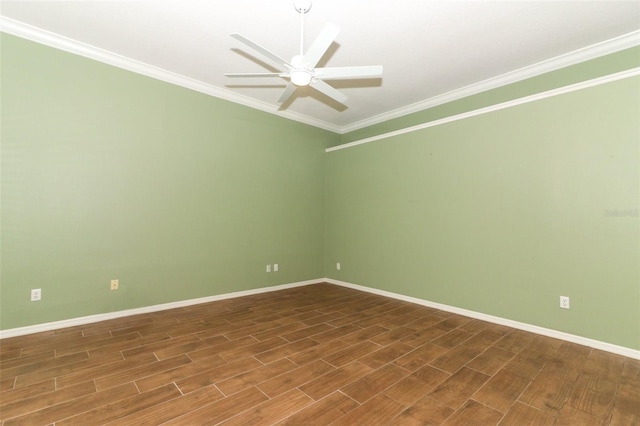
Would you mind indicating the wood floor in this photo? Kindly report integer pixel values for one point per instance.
(313, 355)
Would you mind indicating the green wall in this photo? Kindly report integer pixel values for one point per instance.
(109, 174)
(502, 213)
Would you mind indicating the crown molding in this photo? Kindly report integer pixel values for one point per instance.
(633, 72)
(594, 51)
(29, 32)
(38, 35)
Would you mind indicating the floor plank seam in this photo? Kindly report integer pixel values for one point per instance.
(386, 343)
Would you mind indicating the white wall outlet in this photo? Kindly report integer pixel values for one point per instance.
(275, 267)
(268, 268)
(564, 302)
(338, 266)
(115, 284)
(36, 294)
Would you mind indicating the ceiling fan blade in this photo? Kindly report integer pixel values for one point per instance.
(254, 74)
(334, 94)
(339, 73)
(288, 92)
(272, 56)
(320, 45)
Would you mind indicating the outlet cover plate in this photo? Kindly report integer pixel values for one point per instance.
(36, 294)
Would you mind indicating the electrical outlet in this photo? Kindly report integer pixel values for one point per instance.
(275, 267)
(338, 266)
(115, 284)
(268, 268)
(564, 302)
(36, 294)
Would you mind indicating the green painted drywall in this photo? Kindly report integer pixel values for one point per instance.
(594, 68)
(503, 213)
(109, 174)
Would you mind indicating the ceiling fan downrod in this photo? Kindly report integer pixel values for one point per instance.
(302, 6)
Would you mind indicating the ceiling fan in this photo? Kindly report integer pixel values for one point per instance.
(301, 71)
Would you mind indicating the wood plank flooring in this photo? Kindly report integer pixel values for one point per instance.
(319, 354)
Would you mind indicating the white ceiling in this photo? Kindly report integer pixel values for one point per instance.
(427, 48)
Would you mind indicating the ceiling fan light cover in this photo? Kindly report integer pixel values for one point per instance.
(300, 77)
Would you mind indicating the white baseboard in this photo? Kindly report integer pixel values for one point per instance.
(608, 347)
(21, 331)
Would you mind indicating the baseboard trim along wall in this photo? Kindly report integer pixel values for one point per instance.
(608, 347)
(21, 331)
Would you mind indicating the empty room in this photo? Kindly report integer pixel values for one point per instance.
(320, 212)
